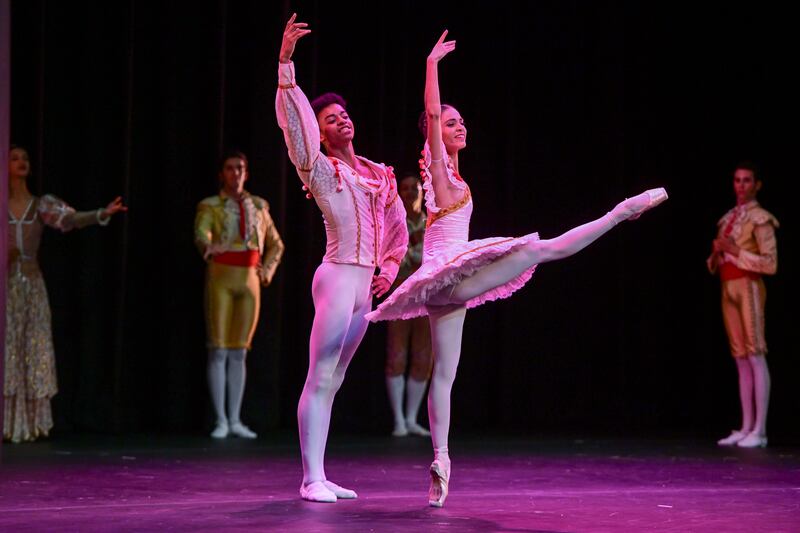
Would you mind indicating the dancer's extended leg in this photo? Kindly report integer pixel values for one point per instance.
(514, 264)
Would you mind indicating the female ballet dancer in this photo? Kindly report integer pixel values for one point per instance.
(30, 364)
(458, 274)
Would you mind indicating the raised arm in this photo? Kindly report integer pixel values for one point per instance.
(295, 115)
(58, 214)
(444, 191)
(433, 104)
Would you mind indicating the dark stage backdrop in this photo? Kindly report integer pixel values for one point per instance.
(570, 106)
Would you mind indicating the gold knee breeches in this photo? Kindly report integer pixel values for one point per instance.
(232, 301)
(743, 312)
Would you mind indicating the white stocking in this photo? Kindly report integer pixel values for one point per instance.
(761, 386)
(415, 391)
(236, 377)
(216, 381)
(354, 336)
(395, 386)
(746, 392)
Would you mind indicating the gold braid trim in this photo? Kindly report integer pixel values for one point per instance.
(462, 254)
(433, 217)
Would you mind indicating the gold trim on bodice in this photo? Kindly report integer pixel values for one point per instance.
(452, 208)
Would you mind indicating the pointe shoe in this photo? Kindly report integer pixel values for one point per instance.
(416, 429)
(340, 492)
(221, 431)
(753, 440)
(654, 198)
(242, 431)
(440, 479)
(732, 439)
(316, 491)
(400, 430)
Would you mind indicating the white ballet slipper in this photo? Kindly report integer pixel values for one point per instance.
(340, 492)
(753, 440)
(732, 439)
(416, 429)
(242, 431)
(316, 491)
(220, 431)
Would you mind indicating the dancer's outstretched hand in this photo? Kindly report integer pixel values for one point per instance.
(380, 286)
(115, 206)
(294, 32)
(441, 48)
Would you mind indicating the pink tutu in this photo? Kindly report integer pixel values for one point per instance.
(447, 268)
(449, 256)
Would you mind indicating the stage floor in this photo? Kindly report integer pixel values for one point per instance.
(498, 484)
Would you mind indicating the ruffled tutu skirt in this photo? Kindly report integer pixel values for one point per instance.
(446, 268)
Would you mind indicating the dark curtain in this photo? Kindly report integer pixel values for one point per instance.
(571, 107)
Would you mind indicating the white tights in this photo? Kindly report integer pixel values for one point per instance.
(234, 377)
(754, 387)
(341, 299)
